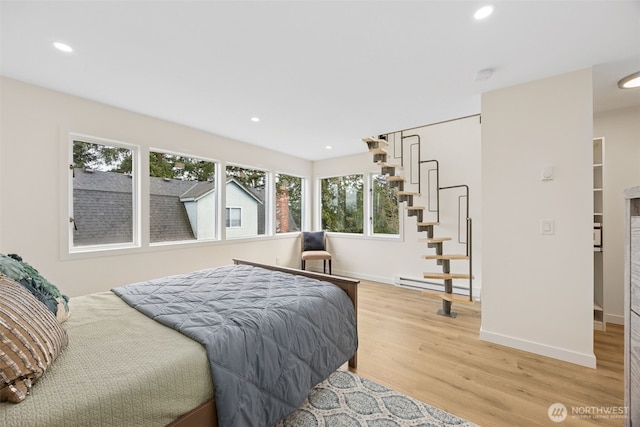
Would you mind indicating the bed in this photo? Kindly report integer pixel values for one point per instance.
(122, 367)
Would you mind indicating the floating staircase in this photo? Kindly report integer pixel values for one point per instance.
(378, 148)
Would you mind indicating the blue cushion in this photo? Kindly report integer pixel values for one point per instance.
(313, 241)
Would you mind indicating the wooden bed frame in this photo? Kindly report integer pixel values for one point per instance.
(205, 415)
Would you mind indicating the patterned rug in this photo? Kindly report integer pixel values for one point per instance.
(347, 400)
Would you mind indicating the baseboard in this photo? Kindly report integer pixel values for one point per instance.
(614, 318)
(351, 274)
(477, 290)
(583, 359)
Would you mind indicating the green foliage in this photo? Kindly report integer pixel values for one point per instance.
(250, 178)
(101, 157)
(342, 204)
(163, 165)
(385, 207)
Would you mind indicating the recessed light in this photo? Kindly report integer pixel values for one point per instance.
(630, 82)
(255, 119)
(63, 47)
(328, 147)
(483, 12)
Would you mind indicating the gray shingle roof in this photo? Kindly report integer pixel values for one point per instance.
(169, 187)
(103, 208)
(197, 191)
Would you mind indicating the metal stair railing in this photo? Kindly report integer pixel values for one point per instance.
(469, 227)
(468, 221)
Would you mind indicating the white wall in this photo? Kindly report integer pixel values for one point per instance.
(456, 144)
(621, 131)
(33, 212)
(33, 189)
(538, 289)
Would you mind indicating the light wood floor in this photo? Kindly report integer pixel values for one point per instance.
(441, 361)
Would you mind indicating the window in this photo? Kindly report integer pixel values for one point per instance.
(234, 217)
(288, 196)
(384, 207)
(245, 190)
(342, 199)
(104, 201)
(182, 199)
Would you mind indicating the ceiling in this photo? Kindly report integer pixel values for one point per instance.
(316, 73)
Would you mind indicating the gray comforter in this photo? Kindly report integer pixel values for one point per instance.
(270, 336)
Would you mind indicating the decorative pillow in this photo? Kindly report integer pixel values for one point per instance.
(313, 241)
(30, 340)
(12, 265)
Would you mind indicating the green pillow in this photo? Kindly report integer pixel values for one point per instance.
(12, 266)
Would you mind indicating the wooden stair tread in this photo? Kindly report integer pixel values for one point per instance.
(415, 208)
(388, 165)
(376, 140)
(427, 223)
(445, 276)
(461, 299)
(434, 240)
(407, 193)
(378, 151)
(449, 257)
(395, 178)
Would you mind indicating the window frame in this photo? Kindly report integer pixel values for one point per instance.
(370, 200)
(136, 238)
(364, 206)
(303, 203)
(269, 206)
(228, 218)
(217, 201)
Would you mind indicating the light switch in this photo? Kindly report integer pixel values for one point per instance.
(547, 173)
(547, 226)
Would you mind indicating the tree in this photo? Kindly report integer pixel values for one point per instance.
(385, 207)
(342, 203)
(101, 157)
(250, 178)
(163, 165)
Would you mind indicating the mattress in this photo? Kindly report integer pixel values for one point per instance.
(120, 369)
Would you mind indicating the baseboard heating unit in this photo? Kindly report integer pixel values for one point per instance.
(413, 283)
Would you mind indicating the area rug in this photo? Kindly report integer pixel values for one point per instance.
(347, 400)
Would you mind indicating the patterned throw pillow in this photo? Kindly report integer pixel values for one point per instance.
(30, 340)
(13, 266)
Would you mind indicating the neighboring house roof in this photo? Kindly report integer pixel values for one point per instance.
(86, 179)
(102, 206)
(197, 191)
(169, 187)
(97, 193)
